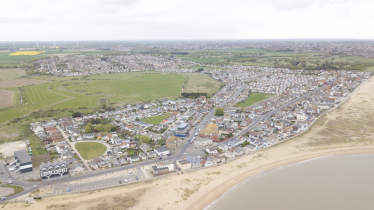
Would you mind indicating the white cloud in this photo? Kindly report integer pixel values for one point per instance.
(193, 19)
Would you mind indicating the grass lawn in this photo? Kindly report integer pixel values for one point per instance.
(90, 150)
(155, 120)
(253, 98)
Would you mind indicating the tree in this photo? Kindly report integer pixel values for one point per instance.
(145, 139)
(88, 128)
(109, 128)
(219, 111)
(77, 114)
(99, 127)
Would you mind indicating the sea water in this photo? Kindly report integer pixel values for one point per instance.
(334, 182)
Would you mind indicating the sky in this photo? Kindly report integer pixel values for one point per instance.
(53, 20)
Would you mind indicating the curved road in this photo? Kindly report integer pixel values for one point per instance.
(31, 186)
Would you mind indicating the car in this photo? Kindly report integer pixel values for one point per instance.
(9, 182)
(120, 182)
(1, 172)
(125, 180)
(137, 178)
(195, 134)
(169, 154)
(160, 158)
(4, 198)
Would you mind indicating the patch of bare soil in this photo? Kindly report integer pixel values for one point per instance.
(8, 149)
(19, 83)
(6, 98)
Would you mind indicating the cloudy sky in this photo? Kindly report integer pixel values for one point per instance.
(25, 20)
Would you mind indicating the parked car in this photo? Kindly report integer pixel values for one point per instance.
(9, 181)
(120, 182)
(1, 172)
(4, 198)
(125, 180)
(137, 178)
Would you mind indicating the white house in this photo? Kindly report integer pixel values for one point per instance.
(161, 151)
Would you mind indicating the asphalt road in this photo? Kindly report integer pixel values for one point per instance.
(31, 186)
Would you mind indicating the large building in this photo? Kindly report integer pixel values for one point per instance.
(53, 169)
(210, 132)
(23, 161)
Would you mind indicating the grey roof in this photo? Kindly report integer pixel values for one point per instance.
(161, 149)
(22, 156)
(182, 125)
(183, 162)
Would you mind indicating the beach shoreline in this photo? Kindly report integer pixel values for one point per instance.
(218, 192)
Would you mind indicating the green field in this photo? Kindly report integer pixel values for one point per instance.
(141, 88)
(253, 98)
(14, 61)
(90, 92)
(90, 150)
(292, 60)
(11, 74)
(155, 120)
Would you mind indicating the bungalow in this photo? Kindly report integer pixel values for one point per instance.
(89, 136)
(195, 161)
(133, 158)
(229, 154)
(239, 151)
(211, 150)
(145, 147)
(161, 151)
(202, 142)
(151, 154)
(183, 165)
(142, 156)
(76, 169)
(250, 148)
(159, 171)
(167, 163)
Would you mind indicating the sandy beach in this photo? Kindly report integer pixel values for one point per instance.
(348, 129)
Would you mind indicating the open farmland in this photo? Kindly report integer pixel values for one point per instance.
(200, 83)
(142, 88)
(6, 98)
(27, 53)
(253, 98)
(11, 73)
(87, 92)
(292, 60)
(18, 83)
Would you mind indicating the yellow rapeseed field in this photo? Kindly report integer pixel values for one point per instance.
(27, 52)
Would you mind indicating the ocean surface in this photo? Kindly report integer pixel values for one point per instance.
(337, 182)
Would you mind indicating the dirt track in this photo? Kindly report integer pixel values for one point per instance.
(6, 98)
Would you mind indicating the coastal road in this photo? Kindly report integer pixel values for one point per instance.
(31, 186)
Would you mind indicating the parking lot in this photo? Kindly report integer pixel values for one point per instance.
(98, 184)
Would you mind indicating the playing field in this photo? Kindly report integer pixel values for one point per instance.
(253, 98)
(155, 120)
(90, 150)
